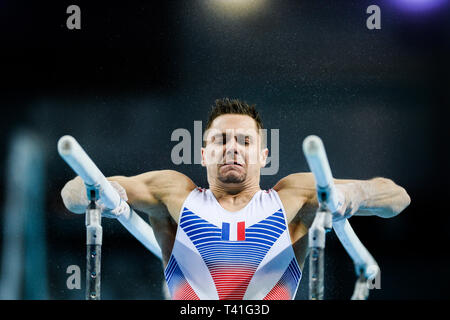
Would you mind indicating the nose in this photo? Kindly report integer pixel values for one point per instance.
(231, 146)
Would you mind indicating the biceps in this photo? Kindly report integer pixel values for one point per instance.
(138, 193)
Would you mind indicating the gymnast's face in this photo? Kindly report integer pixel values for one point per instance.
(233, 151)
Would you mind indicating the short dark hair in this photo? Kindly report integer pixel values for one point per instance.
(233, 106)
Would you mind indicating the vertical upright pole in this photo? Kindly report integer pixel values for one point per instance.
(94, 235)
(316, 273)
(316, 237)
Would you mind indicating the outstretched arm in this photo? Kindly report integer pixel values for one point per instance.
(378, 196)
(375, 197)
(145, 192)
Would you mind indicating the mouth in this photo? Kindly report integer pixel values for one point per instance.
(231, 164)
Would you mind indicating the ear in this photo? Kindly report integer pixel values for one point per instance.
(263, 157)
(203, 157)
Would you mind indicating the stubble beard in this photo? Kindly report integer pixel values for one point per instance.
(232, 178)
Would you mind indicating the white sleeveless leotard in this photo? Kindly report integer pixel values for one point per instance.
(220, 254)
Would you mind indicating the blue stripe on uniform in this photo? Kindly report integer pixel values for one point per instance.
(225, 231)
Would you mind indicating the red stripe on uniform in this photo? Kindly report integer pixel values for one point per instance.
(241, 231)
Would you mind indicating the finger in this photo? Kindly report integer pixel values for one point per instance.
(339, 214)
(338, 217)
(348, 215)
(353, 211)
(348, 211)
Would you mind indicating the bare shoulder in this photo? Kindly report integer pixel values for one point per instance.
(150, 190)
(169, 186)
(164, 179)
(296, 190)
(297, 185)
(296, 180)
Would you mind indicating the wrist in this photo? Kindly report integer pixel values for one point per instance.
(122, 209)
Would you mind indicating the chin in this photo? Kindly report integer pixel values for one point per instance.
(231, 178)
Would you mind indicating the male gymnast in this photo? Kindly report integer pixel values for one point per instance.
(234, 240)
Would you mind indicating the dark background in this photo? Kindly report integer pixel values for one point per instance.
(136, 71)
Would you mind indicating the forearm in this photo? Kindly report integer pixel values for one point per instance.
(380, 197)
(75, 198)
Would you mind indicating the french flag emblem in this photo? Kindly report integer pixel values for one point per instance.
(233, 231)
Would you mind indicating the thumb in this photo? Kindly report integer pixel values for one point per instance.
(120, 190)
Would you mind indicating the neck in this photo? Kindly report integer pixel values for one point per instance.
(233, 198)
(233, 191)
